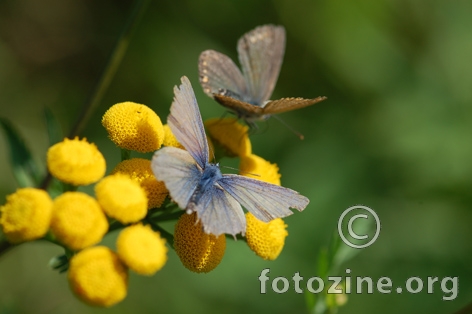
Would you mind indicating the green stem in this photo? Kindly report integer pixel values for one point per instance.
(166, 217)
(111, 67)
(67, 187)
(114, 225)
(107, 75)
(166, 235)
(125, 154)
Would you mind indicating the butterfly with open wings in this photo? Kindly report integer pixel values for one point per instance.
(197, 185)
(247, 94)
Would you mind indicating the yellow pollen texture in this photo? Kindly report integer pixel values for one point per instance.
(134, 126)
(142, 249)
(198, 251)
(97, 276)
(76, 162)
(26, 215)
(77, 220)
(266, 239)
(139, 169)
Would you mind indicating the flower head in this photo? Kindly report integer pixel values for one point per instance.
(230, 135)
(198, 251)
(134, 126)
(76, 162)
(26, 215)
(98, 277)
(77, 220)
(122, 198)
(266, 239)
(253, 164)
(142, 249)
(139, 169)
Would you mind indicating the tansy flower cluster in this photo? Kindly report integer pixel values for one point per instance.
(132, 199)
(78, 221)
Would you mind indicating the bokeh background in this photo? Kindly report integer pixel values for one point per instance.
(395, 135)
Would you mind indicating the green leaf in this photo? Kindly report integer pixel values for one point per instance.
(24, 168)
(54, 130)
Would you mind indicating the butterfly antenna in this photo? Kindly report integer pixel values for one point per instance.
(300, 135)
(252, 174)
(253, 127)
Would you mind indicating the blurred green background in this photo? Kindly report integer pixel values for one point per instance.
(394, 135)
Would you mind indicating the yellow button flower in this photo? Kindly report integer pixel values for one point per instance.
(76, 162)
(134, 126)
(139, 169)
(97, 276)
(253, 164)
(198, 251)
(26, 215)
(122, 198)
(77, 220)
(266, 239)
(230, 135)
(142, 249)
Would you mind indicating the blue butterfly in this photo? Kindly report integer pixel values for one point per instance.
(197, 185)
(247, 93)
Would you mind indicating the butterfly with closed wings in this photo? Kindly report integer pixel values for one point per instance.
(197, 185)
(247, 94)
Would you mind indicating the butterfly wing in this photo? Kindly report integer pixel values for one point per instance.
(186, 123)
(288, 104)
(218, 73)
(241, 108)
(177, 168)
(264, 200)
(261, 53)
(220, 213)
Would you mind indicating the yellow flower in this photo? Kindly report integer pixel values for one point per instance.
(169, 139)
(253, 164)
(142, 249)
(266, 239)
(97, 276)
(26, 215)
(198, 251)
(134, 126)
(122, 198)
(230, 135)
(140, 171)
(76, 162)
(77, 220)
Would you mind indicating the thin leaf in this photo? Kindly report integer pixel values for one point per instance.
(24, 168)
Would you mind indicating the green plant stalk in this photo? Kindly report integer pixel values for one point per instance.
(125, 154)
(111, 67)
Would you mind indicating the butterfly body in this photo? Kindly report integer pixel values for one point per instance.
(197, 185)
(208, 180)
(247, 93)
